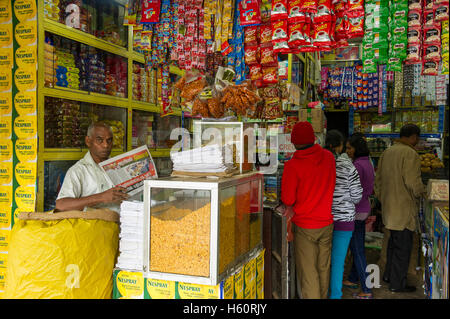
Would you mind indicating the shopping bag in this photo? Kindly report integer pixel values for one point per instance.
(67, 255)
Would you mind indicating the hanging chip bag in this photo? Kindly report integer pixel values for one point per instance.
(279, 10)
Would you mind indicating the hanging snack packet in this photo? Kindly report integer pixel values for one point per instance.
(399, 34)
(413, 53)
(322, 34)
(432, 34)
(414, 35)
(251, 35)
(150, 11)
(428, 17)
(432, 52)
(251, 54)
(355, 5)
(414, 18)
(267, 56)
(295, 15)
(430, 67)
(270, 75)
(341, 28)
(397, 50)
(296, 37)
(265, 33)
(414, 4)
(441, 11)
(309, 6)
(255, 72)
(428, 4)
(281, 47)
(250, 12)
(279, 10)
(324, 11)
(279, 30)
(355, 25)
(394, 64)
(340, 6)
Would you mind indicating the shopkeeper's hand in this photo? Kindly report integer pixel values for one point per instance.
(114, 195)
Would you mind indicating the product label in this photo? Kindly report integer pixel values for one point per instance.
(25, 103)
(5, 172)
(5, 220)
(228, 288)
(239, 284)
(130, 284)
(25, 197)
(26, 57)
(6, 35)
(4, 239)
(5, 80)
(195, 291)
(26, 150)
(6, 149)
(26, 33)
(6, 58)
(5, 11)
(2, 279)
(5, 103)
(19, 210)
(25, 79)
(250, 280)
(25, 173)
(3, 260)
(25, 9)
(5, 126)
(5, 196)
(25, 126)
(159, 289)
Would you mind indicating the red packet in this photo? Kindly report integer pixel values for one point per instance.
(279, 10)
(268, 57)
(251, 54)
(430, 67)
(322, 34)
(150, 11)
(295, 14)
(250, 12)
(270, 75)
(441, 11)
(309, 6)
(355, 5)
(279, 30)
(255, 72)
(296, 37)
(251, 35)
(324, 11)
(265, 33)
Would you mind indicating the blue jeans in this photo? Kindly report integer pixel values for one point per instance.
(341, 240)
(357, 248)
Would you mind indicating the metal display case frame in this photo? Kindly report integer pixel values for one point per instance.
(214, 186)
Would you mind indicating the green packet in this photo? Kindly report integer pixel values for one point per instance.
(368, 52)
(381, 55)
(397, 50)
(369, 66)
(394, 64)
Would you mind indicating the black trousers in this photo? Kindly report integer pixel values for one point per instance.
(397, 257)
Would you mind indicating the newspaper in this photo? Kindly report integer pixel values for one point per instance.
(130, 169)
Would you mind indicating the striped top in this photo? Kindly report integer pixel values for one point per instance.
(347, 192)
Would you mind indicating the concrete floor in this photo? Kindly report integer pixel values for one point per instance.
(383, 292)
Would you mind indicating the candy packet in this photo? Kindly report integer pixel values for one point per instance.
(279, 10)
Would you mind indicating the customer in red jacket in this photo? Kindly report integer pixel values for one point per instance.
(308, 185)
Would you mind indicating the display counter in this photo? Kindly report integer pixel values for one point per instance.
(198, 230)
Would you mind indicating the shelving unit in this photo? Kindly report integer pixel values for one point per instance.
(128, 104)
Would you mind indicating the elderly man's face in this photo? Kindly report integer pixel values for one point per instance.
(100, 143)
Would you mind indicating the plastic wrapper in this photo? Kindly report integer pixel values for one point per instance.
(309, 6)
(432, 52)
(324, 11)
(413, 53)
(296, 37)
(279, 10)
(432, 34)
(414, 35)
(279, 31)
(441, 11)
(414, 18)
(255, 72)
(430, 67)
(267, 55)
(295, 15)
(355, 5)
(355, 26)
(251, 54)
(251, 35)
(250, 13)
(322, 34)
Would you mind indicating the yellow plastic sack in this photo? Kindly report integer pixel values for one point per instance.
(69, 255)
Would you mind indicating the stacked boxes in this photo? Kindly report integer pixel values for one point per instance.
(66, 74)
(246, 282)
(49, 65)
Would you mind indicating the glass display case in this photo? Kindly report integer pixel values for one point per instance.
(54, 173)
(198, 230)
(238, 134)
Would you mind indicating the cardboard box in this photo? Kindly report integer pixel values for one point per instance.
(315, 116)
(159, 289)
(128, 284)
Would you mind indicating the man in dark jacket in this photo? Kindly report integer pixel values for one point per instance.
(307, 186)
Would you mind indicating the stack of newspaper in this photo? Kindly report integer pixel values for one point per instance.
(131, 238)
(207, 159)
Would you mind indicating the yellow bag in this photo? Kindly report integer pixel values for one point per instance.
(62, 255)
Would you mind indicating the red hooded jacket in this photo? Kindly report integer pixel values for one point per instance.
(308, 182)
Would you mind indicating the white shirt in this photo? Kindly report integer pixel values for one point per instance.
(86, 178)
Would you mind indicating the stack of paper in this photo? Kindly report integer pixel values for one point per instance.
(131, 238)
(208, 159)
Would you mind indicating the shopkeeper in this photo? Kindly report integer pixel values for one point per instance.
(86, 184)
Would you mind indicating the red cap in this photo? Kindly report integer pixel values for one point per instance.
(302, 134)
